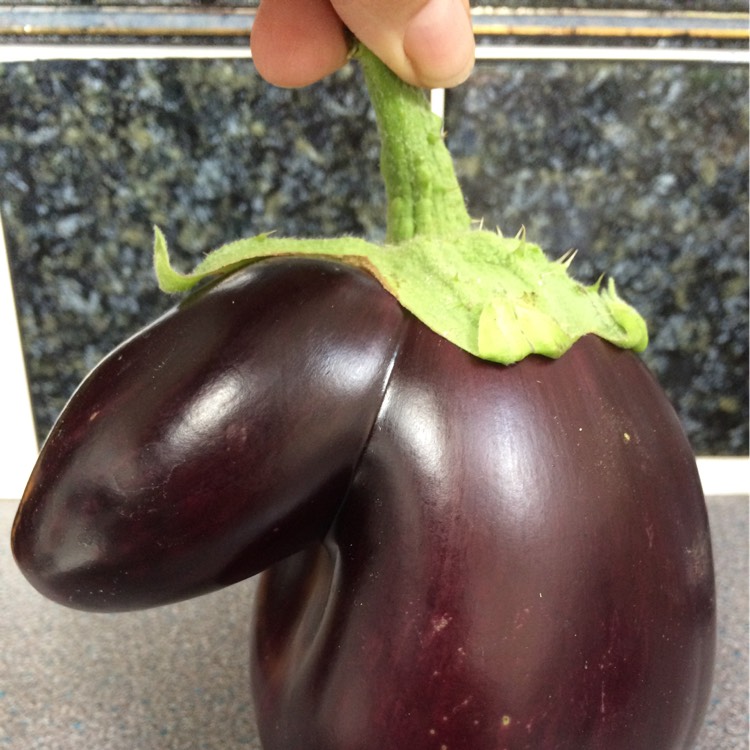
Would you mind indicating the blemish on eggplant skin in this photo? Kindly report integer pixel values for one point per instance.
(650, 535)
(505, 721)
(440, 623)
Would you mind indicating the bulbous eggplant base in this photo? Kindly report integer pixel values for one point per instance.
(523, 560)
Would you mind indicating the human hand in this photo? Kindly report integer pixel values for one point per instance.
(428, 43)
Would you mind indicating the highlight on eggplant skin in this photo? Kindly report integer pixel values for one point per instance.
(457, 553)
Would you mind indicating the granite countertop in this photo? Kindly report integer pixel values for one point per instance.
(176, 677)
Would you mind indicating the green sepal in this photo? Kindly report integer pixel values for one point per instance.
(236, 254)
(497, 298)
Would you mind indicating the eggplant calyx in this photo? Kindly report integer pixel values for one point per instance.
(497, 298)
(500, 299)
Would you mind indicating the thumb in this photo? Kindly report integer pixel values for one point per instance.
(428, 43)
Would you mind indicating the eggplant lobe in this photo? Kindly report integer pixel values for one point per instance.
(458, 555)
(522, 561)
(215, 442)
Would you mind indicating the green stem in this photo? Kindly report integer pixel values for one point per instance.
(424, 197)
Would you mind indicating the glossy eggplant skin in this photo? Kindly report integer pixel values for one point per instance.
(458, 555)
(523, 561)
(217, 441)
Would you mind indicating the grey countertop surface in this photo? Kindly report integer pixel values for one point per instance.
(176, 677)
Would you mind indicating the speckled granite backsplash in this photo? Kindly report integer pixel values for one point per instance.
(641, 166)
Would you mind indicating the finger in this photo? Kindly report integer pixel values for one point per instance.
(297, 42)
(439, 43)
(428, 43)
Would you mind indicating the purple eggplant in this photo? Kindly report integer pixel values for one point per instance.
(461, 554)
(456, 552)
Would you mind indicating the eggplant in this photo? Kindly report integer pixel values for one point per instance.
(459, 553)
(455, 553)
